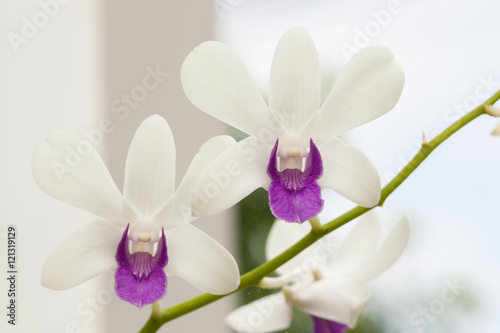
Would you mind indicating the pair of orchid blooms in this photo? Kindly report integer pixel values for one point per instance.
(292, 150)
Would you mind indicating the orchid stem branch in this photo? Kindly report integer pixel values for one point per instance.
(152, 325)
(256, 275)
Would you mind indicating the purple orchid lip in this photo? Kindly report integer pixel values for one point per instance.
(294, 195)
(140, 278)
(327, 326)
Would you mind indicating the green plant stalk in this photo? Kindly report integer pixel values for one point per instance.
(254, 276)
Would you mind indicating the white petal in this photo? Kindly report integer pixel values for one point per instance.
(215, 80)
(150, 167)
(178, 209)
(267, 314)
(341, 301)
(390, 250)
(349, 172)
(294, 83)
(86, 253)
(67, 167)
(237, 172)
(200, 260)
(208, 152)
(369, 86)
(283, 235)
(358, 246)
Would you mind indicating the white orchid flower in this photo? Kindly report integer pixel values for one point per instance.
(145, 231)
(293, 138)
(338, 293)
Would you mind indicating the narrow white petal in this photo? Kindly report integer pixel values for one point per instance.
(67, 167)
(350, 173)
(267, 314)
(200, 260)
(150, 167)
(215, 80)
(178, 209)
(294, 83)
(276, 282)
(390, 251)
(283, 235)
(341, 301)
(368, 87)
(237, 172)
(358, 246)
(86, 253)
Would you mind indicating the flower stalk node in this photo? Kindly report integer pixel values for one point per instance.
(425, 142)
(316, 225)
(492, 111)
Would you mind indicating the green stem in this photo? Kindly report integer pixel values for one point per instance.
(152, 325)
(254, 276)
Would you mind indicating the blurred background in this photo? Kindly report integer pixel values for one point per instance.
(66, 64)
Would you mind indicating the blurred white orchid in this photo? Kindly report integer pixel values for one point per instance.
(494, 112)
(137, 227)
(293, 139)
(337, 293)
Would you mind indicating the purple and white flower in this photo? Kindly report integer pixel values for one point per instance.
(332, 291)
(144, 234)
(293, 126)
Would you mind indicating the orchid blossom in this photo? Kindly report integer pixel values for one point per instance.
(336, 294)
(293, 138)
(143, 233)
